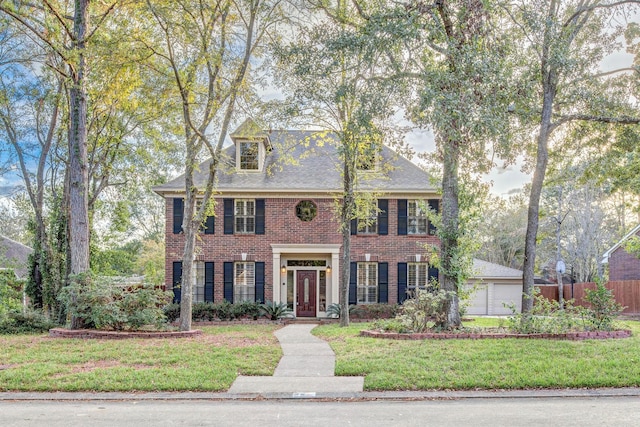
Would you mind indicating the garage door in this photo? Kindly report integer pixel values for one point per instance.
(506, 294)
(478, 301)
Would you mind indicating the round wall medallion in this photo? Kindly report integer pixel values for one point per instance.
(306, 210)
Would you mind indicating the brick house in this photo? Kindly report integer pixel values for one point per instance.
(622, 265)
(274, 235)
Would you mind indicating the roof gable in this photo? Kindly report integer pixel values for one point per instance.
(14, 255)
(612, 249)
(485, 269)
(307, 161)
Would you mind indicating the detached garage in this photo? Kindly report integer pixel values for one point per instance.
(496, 285)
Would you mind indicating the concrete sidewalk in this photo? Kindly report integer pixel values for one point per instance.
(306, 368)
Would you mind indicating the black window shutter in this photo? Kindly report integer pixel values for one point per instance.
(383, 217)
(228, 281)
(402, 282)
(208, 281)
(354, 226)
(435, 205)
(383, 282)
(434, 273)
(402, 217)
(259, 216)
(178, 215)
(177, 281)
(209, 225)
(353, 284)
(260, 282)
(228, 216)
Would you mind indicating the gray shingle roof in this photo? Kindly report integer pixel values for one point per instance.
(307, 161)
(14, 255)
(485, 269)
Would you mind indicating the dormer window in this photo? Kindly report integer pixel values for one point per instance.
(252, 145)
(249, 156)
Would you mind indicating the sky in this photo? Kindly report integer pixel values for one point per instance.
(505, 181)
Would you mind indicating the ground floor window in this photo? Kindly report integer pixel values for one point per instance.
(367, 282)
(197, 293)
(244, 284)
(417, 276)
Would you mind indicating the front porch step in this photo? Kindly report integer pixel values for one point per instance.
(309, 320)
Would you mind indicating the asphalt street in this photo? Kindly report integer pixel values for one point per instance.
(555, 411)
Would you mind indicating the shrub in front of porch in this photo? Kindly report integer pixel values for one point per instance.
(208, 311)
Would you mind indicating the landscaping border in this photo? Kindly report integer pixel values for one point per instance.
(119, 335)
(573, 336)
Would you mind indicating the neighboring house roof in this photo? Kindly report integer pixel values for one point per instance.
(612, 249)
(14, 255)
(488, 270)
(306, 161)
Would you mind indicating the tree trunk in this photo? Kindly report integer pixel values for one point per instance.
(345, 263)
(78, 172)
(542, 159)
(188, 256)
(449, 232)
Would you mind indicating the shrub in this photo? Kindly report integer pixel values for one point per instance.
(390, 325)
(547, 316)
(207, 311)
(104, 304)
(603, 310)
(276, 311)
(424, 311)
(172, 312)
(333, 310)
(245, 310)
(31, 322)
(374, 311)
(10, 293)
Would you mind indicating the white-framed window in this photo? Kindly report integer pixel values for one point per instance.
(245, 216)
(244, 282)
(417, 222)
(197, 292)
(417, 276)
(249, 155)
(367, 282)
(370, 226)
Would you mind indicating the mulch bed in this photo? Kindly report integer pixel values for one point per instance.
(574, 336)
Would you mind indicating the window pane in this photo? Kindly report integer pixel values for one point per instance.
(245, 285)
(245, 216)
(197, 293)
(367, 285)
(249, 155)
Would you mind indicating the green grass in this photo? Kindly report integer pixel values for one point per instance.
(213, 361)
(210, 362)
(484, 364)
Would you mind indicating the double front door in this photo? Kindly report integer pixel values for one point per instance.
(306, 293)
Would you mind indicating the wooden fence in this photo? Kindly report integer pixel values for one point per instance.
(626, 292)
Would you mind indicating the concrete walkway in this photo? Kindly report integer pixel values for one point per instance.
(306, 368)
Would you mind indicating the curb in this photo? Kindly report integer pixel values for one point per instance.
(361, 396)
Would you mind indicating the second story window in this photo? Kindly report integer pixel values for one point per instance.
(370, 226)
(417, 222)
(249, 156)
(245, 216)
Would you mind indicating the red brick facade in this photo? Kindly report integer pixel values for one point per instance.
(623, 266)
(282, 226)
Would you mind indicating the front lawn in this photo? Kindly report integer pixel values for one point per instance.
(484, 364)
(210, 362)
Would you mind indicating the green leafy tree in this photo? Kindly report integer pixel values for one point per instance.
(328, 75)
(203, 52)
(568, 40)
